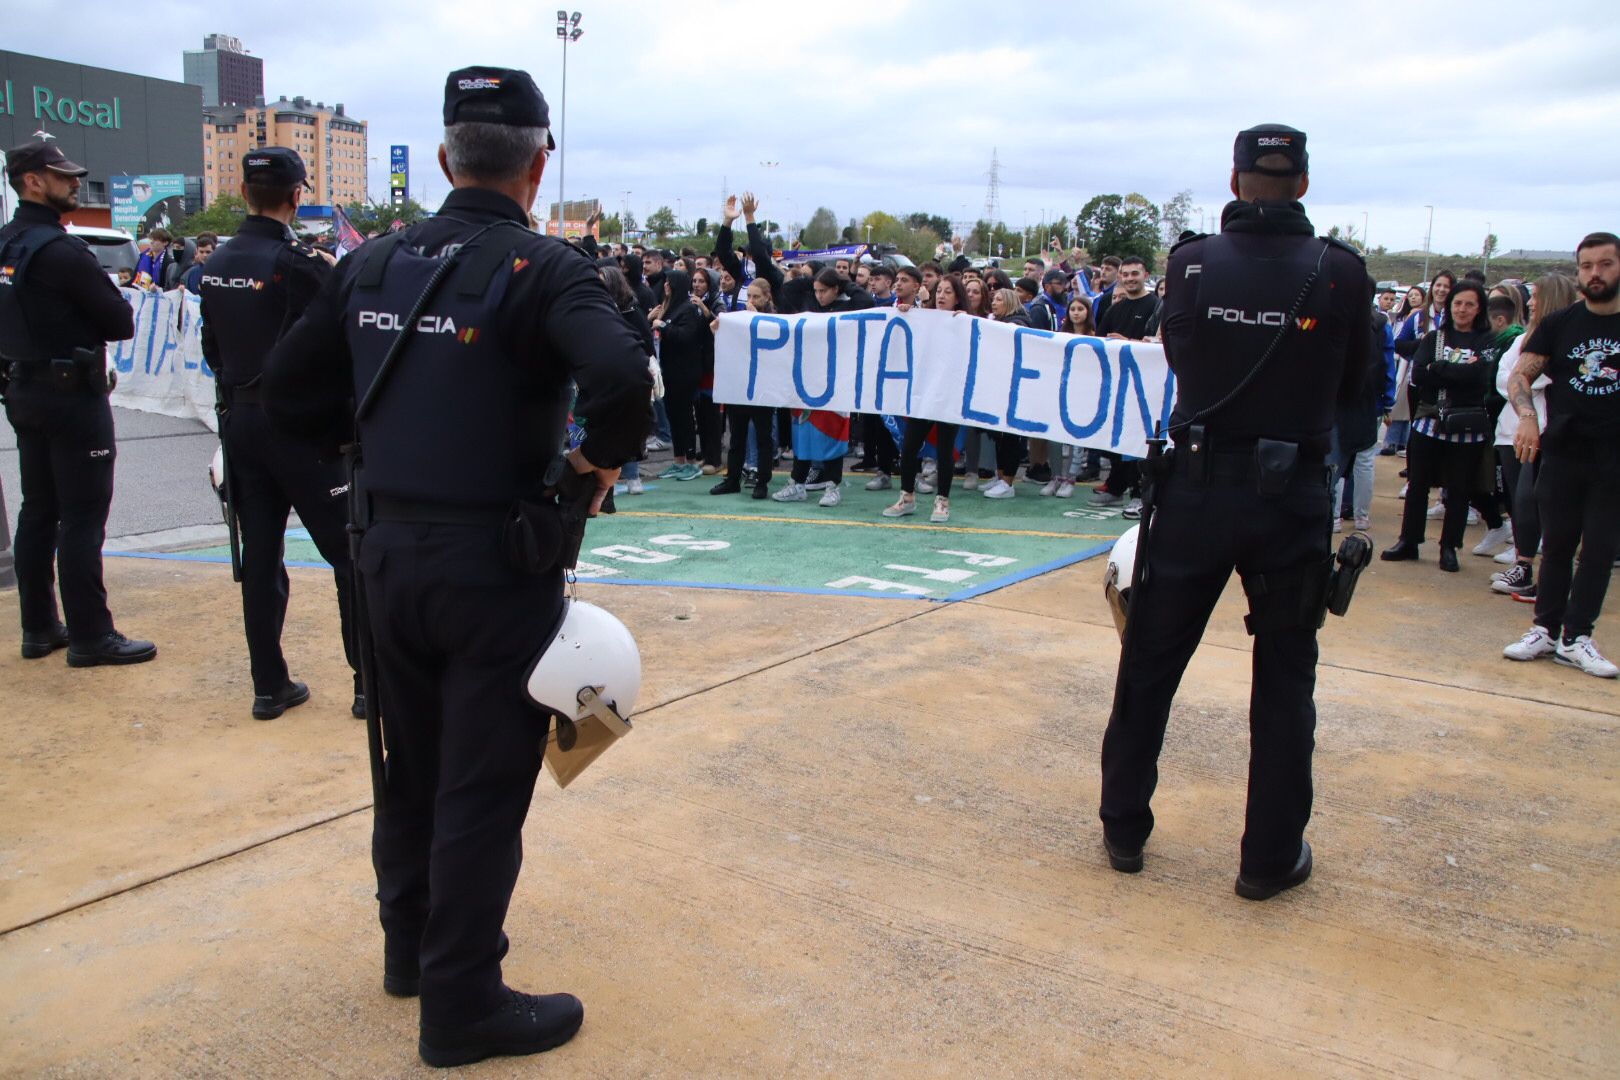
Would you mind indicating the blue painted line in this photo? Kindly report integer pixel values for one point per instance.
(1024, 575)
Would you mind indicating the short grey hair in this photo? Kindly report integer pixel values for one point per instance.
(492, 153)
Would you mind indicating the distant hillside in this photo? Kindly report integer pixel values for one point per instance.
(1408, 269)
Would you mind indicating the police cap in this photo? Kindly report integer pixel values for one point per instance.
(492, 95)
(41, 153)
(1258, 142)
(274, 165)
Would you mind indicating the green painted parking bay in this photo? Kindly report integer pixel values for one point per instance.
(678, 534)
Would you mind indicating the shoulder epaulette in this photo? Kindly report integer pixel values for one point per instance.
(1333, 241)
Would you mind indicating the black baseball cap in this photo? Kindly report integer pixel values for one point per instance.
(41, 153)
(492, 95)
(274, 165)
(1257, 142)
(1054, 274)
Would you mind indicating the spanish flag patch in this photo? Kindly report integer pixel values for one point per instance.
(1306, 324)
(469, 335)
(519, 263)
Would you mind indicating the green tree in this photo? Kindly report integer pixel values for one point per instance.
(822, 231)
(1176, 215)
(629, 222)
(1119, 225)
(1491, 246)
(380, 216)
(702, 226)
(662, 222)
(223, 217)
(940, 225)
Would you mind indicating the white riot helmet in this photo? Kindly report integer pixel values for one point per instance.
(216, 473)
(588, 677)
(1117, 579)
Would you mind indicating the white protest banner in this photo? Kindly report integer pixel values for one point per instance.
(936, 365)
(161, 369)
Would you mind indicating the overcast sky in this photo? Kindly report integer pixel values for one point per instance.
(1505, 113)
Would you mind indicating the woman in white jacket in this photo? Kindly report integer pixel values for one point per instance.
(1554, 292)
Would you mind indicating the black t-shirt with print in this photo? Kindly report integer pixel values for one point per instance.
(1583, 362)
(1129, 317)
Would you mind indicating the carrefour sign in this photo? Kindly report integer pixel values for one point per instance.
(49, 105)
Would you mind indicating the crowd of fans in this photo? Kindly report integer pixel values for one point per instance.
(1449, 349)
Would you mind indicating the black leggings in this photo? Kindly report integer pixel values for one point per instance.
(911, 452)
(680, 402)
(1520, 480)
(1009, 453)
(738, 418)
(879, 447)
(1432, 463)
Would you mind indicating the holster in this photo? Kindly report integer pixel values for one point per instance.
(532, 536)
(1353, 556)
(1292, 599)
(1275, 462)
(85, 371)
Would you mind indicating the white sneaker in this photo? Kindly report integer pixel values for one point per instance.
(1582, 653)
(1508, 557)
(1363, 522)
(1132, 511)
(1402, 495)
(999, 490)
(1051, 486)
(942, 510)
(633, 486)
(654, 444)
(1065, 490)
(970, 482)
(903, 507)
(925, 485)
(1535, 644)
(880, 482)
(1437, 511)
(792, 493)
(1473, 516)
(1493, 539)
(832, 496)
(1338, 525)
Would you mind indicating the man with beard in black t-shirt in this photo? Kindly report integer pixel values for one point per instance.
(1578, 487)
(1128, 316)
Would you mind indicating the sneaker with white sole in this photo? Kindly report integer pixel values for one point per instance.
(1338, 525)
(674, 469)
(1106, 498)
(904, 506)
(1065, 490)
(1535, 644)
(655, 444)
(1132, 511)
(1493, 539)
(880, 482)
(633, 486)
(970, 482)
(999, 489)
(1473, 516)
(1582, 653)
(1363, 522)
(832, 496)
(792, 493)
(1508, 557)
(1515, 581)
(942, 510)
(1437, 511)
(925, 485)
(1402, 495)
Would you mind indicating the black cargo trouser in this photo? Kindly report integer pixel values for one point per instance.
(1580, 506)
(270, 474)
(1199, 535)
(455, 630)
(65, 453)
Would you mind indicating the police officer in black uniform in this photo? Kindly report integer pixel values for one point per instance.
(488, 325)
(58, 310)
(253, 291)
(1245, 488)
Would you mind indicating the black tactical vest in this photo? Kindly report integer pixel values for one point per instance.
(247, 303)
(1243, 303)
(459, 420)
(27, 316)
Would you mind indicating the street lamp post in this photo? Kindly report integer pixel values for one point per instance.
(1427, 235)
(1366, 248)
(624, 216)
(1485, 250)
(568, 30)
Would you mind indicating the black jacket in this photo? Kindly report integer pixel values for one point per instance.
(70, 302)
(253, 291)
(557, 323)
(1466, 384)
(686, 345)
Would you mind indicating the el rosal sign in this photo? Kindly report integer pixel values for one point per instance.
(48, 105)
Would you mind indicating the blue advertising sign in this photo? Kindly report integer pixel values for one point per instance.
(399, 170)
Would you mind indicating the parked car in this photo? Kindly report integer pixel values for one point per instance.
(114, 249)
